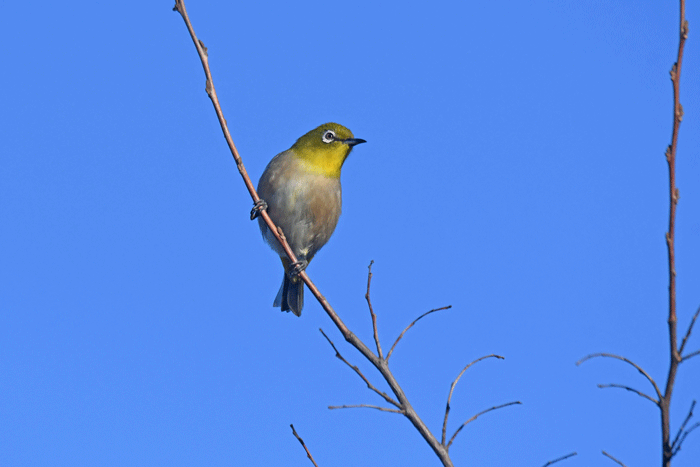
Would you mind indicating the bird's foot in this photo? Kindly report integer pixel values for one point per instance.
(257, 207)
(296, 267)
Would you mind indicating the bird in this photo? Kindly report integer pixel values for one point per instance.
(300, 189)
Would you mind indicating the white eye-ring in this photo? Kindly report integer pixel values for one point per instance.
(328, 137)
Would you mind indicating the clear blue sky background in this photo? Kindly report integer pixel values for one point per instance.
(514, 169)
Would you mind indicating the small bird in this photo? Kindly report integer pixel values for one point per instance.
(300, 188)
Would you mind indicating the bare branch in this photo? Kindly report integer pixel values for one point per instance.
(685, 422)
(626, 360)
(383, 409)
(371, 311)
(691, 355)
(477, 416)
(685, 435)
(560, 459)
(611, 457)
(411, 325)
(603, 386)
(665, 403)
(308, 454)
(452, 388)
(357, 370)
(676, 444)
(211, 92)
(379, 363)
(690, 329)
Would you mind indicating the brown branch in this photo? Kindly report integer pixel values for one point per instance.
(383, 409)
(477, 416)
(211, 92)
(685, 422)
(665, 402)
(411, 325)
(603, 386)
(611, 457)
(560, 459)
(687, 334)
(678, 440)
(371, 311)
(308, 454)
(452, 388)
(626, 360)
(691, 355)
(403, 402)
(357, 370)
(379, 363)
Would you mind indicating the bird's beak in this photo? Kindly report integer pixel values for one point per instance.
(353, 141)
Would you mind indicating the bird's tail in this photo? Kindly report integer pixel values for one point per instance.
(291, 295)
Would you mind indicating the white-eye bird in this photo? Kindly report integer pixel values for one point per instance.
(301, 190)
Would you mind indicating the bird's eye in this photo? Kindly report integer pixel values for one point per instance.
(328, 137)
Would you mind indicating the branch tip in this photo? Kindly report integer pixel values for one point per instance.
(560, 458)
(308, 454)
(391, 350)
(477, 416)
(612, 458)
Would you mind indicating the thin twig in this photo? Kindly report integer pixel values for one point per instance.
(626, 360)
(685, 422)
(308, 454)
(560, 459)
(612, 385)
(685, 435)
(665, 402)
(411, 325)
(691, 355)
(611, 457)
(357, 370)
(354, 406)
(452, 388)
(690, 329)
(477, 416)
(682, 428)
(371, 311)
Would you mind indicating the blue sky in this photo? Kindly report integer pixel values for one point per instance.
(514, 169)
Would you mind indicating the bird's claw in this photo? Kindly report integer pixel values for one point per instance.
(257, 207)
(296, 267)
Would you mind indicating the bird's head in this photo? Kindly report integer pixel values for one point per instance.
(325, 148)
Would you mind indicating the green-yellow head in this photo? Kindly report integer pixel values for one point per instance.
(324, 149)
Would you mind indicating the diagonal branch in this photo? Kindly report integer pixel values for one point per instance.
(611, 457)
(357, 370)
(560, 459)
(371, 311)
(685, 422)
(308, 454)
(626, 360)
(675, 445)
(379, 363)
(383, 409)
(685, 435)
(477, 416)
(687, 334)
(211, 92)
(691, 355)
(603, 386)
(452, 388)
(411, 325)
